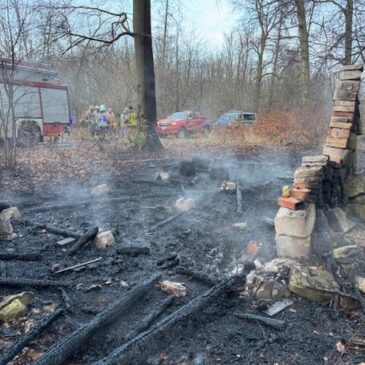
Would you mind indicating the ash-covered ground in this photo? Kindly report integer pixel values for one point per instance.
(204, 241)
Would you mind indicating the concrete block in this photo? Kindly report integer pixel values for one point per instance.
(315, 159)
(293, 247)
(337, 155)
(296, 223)
(5, 227)
(185, 204)
(104, 239)
(311, 171)
(350, 74)
(7, 214)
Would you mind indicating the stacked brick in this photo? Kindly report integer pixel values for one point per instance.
(345, 121)
(319, 179)
(318, 182)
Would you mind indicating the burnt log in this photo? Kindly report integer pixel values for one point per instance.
(170, 219)
(28, 337)
(36, 283)
(198, 276)
(171, 257)
(84, 240)
(147, 321)
(187, 168)
(270, 322)
(121, 354)
(59, 352)
(58, 231)
(133, 251)
(9, 256)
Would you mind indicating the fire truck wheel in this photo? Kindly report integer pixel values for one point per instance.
(29, 134)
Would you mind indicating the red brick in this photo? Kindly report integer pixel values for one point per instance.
(349, 115)
(291, 203)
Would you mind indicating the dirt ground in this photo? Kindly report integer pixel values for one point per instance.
(203, 239)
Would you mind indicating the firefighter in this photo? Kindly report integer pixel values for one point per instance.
(102, 122)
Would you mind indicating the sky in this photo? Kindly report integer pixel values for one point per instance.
(208, 19)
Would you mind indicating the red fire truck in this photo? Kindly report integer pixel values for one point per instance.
(41, 103)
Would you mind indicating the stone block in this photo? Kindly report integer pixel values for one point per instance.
(350, 103)
(341, 120)
(104, 239)
(315, 159)
(350, 74)
(343, 108)
(346, 90)
(312, 284)
(339, 133)
(337, 142)
(337, 155)
(341, 125)
(293, 247)
(339, 221)
(7, 214)
(359, 66)
(298, 223)
(5, 227)
(303, 172)
(308, 179)
(185, 204)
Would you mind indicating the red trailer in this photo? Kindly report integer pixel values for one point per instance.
(41, 103)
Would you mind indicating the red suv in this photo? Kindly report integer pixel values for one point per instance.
(181, 124)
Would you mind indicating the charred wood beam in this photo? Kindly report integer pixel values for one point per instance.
(274, 323)
(133, 251)
(58, 231)
(84, 240)
(37, 283)
(201, 277)
(59, 352)
(8, 256)
(168, 220)
(147, 321)
(171, 257)
(120, 354)
(28, 337)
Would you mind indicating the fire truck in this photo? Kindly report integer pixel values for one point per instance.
(41, 102)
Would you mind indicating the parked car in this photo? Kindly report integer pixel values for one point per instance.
(181, 124)
(231, 118)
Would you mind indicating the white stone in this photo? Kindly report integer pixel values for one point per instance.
(5, 227)
(7, 214)
(293, 247)
(104, 239)
(185, 204)
(163, 176)
(296, 223)
(98, 190)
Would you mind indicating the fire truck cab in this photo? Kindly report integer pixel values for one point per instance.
(41, 103)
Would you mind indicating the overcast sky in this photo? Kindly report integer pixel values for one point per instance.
(208, 19)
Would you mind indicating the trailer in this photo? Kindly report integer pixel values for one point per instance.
(41, 104)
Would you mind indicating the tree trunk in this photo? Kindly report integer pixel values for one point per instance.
(146, 89)
(304, 51)
(348, 31)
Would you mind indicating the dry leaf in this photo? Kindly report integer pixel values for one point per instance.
(253, 248)
(176, 289)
